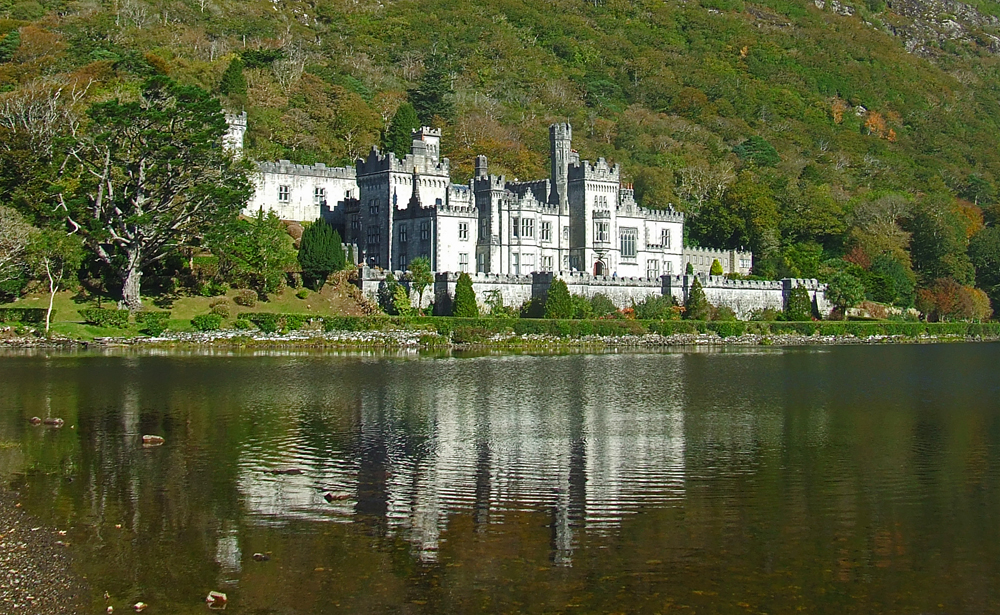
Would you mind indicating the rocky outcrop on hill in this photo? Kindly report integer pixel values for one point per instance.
(932, 27)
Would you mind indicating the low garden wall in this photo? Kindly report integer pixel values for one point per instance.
(744, 297)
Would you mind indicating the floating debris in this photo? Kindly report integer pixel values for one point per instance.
(286, 471)
(139, 607)
(216, 600)
(35, 420)
(261, 557)
(57, 422)
(336, 497)
(152, 440)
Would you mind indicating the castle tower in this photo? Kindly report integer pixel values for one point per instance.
(427, 141)
(232, 141)
(560, 148)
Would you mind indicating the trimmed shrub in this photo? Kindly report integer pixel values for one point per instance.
(302, 293)
(154, 323)
(696, 307)
(23, 315)
(246, 298)
(221, 309)
(799, 305)
(321, 252)
(116, 319)
(559, 303)
(243, 324)
(655, 307)
(207, 322)
(716, 268)
(465, 305)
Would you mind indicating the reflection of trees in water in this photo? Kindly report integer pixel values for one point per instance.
(770, 469)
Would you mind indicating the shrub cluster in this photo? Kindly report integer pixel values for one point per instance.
(272, 322)
(153, 323)
(207, 322)
(117, 319)
(23, 315)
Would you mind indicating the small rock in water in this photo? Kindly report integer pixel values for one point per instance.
(35, 420)
(56, 422)
(331, 498)
(139, 607)
(261, 557)
(216, 600)
(152, 440)
(111, 610)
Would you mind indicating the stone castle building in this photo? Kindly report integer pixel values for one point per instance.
(580, 219)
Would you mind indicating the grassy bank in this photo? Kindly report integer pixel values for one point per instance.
(488, 327)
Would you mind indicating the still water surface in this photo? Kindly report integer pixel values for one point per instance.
(844, 479)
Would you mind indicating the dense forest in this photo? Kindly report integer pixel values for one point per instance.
(832, 139)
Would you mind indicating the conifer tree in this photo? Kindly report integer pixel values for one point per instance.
(689, 270)
(799, 306)
(559, 303)
(433, 96)
(697, 307)
(9, 45)
(320, 253)
(716, 267)
(399, 136)
(233, 82)
(465, 298)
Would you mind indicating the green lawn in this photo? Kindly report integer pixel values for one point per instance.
(67, 321)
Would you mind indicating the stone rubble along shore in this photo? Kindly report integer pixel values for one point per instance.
(36, 577)
(417, 339)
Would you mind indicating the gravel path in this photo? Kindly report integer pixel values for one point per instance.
(35, 573)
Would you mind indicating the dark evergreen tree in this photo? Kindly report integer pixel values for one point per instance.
(697, 307)
(984, 250)
(399, 136)
(559, 303)
(321, 252)
(798, 306)
(758, 151)
(689, 269)
(9, 45)
(465, 298)
(233, 82)
(433, 95)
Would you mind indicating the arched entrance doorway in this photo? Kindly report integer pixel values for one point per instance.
(600, 268)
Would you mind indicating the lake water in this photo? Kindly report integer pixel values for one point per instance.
(829, 480)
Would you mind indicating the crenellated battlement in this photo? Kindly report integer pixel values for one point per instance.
(286, 167)
(376, 162)
(598, 171)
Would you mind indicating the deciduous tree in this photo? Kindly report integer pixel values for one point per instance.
(53, 256)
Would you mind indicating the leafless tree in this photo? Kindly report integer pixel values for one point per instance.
(15, 236)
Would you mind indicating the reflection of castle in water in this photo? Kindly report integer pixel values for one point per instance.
(587, 450)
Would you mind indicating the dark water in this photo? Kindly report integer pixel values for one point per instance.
(845, 479)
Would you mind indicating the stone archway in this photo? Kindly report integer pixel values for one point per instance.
(600, 268)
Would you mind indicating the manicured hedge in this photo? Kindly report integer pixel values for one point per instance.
(207, 322)
(24, 315)
(117, 319)
(271, 322)
(486, 327)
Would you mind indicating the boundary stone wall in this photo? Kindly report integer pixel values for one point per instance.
(744, 297)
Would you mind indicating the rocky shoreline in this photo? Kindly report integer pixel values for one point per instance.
(421, 339)
(36, 576)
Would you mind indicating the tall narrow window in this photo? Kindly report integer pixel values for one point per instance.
(319, 196)
(652, 268)
(463, 262)
(481, 262)
(516, 263)
(545, 231)
(484, 229)
(565, 233)
(402, 233)
(425, 231)
(515, 225)
(602, 231)
(527, 227)
(284, 193)
(628, 242)
(463, 231)
(665, 238)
